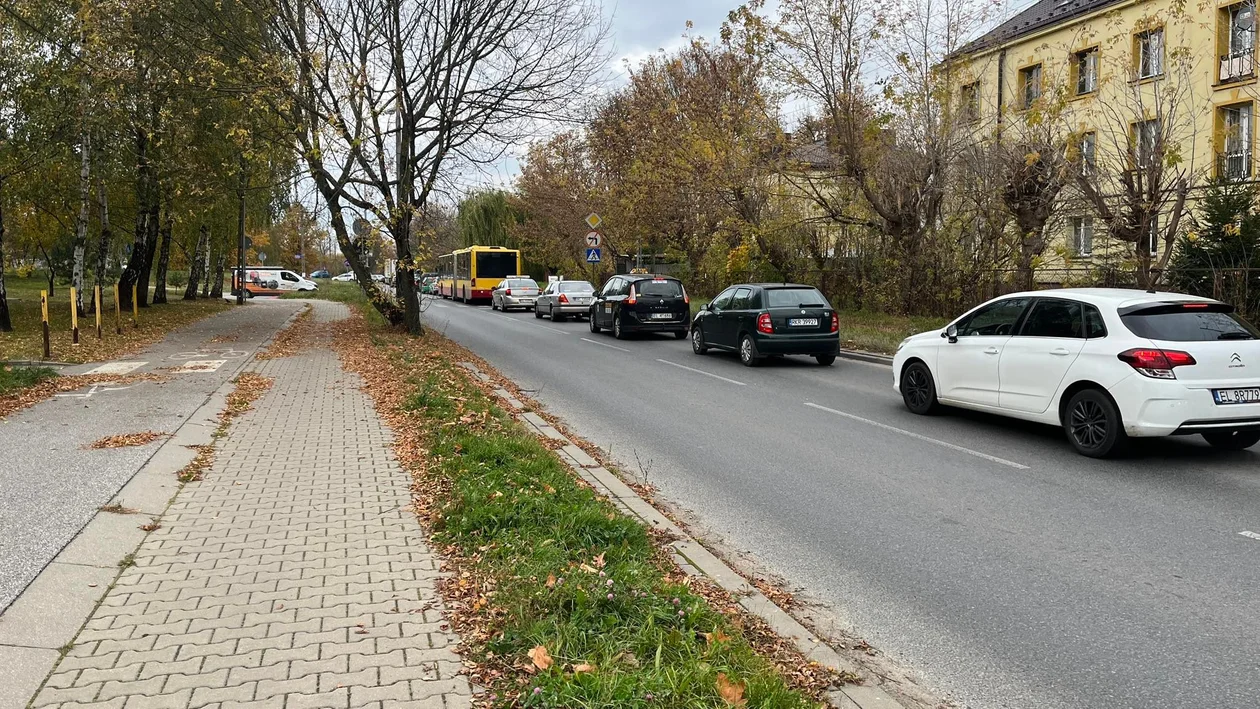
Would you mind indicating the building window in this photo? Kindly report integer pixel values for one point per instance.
(1146, 136)
(1086, 68)
(1030, 84)
(1239, 62)
(1153, 235)
(1083, 236)
(1150, 48)
(1235, 158)
(1089, 153)
(969, 102)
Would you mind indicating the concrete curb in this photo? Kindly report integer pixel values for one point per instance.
(871, 357)
(698, 561)
(51, 611)
(35, 363)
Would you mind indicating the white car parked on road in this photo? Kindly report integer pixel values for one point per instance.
(344, 277)
(1105, 364)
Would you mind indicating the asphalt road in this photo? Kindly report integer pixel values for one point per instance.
(51, 484)
(984, 554)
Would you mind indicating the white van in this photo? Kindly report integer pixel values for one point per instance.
(261, 280)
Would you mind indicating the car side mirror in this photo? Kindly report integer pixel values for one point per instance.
(951, 333)
(706, 307)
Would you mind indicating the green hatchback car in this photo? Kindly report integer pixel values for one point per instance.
(768, 319)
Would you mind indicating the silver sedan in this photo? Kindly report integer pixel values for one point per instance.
(563, 298)
(514, 293)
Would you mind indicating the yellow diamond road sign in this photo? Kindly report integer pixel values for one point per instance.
(594, 220)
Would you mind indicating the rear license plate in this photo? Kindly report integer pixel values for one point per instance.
(803, 322)
(662, 316)
(1236, 396)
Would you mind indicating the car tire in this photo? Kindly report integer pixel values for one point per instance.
(826, 360)
(1093, 424)
(1232, 440)
(537, 314)
(697, 341)
(590, 319)
(556, 317)
(918, 389)
(680, 334)
(494, 304)
(617, 331)
(748, 352)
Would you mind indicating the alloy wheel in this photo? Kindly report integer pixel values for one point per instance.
(1088, 423)
(918, 388)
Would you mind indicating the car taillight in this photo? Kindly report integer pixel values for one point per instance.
(835, 322)
(764, 325)
(564, 298)
(1157, 364)
(508, 291)
(686, 298)
(633, 297)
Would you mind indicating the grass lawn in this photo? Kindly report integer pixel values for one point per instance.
(880, 332)
(26, 340)
(562, 600)
(14, 378)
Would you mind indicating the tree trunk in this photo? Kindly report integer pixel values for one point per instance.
(102, 249)
(152, 228)
(81, 223)
(136, 261)
(216, 286)
(205, 270)
(195, 265)
(164, 256)
(6, 322)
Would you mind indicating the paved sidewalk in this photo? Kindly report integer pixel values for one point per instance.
(295, 575)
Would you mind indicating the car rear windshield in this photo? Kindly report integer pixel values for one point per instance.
(1189, 323)
(663, 288)
(576, 287)
(521, 283)
(795, 298)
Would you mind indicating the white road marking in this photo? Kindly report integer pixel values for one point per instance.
(921, 437)
(95, 389)
(699, 371)
(200, 365)
(1251, 535)
(116, 368)
(604, 344)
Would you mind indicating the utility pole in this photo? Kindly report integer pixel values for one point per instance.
(240, 233)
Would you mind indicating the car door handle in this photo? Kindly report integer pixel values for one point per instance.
(1060, 352)
(992, 351)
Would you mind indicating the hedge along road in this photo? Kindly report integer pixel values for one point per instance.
(983, 554)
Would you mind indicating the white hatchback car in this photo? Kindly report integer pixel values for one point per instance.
(1105, 364)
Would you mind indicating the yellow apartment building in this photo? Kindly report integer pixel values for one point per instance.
(1110, 74)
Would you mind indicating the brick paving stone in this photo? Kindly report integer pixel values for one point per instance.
(252, 591)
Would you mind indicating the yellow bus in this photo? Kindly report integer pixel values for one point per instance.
(470, 274)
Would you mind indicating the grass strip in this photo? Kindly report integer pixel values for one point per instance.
(561, 600)
(14, 378)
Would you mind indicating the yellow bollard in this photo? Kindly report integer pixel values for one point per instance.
(96, 296)
(135, 307)
(117, 312)
(74, 316)
(43, 309)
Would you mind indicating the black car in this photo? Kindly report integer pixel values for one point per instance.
(761, 319)
(641, 303)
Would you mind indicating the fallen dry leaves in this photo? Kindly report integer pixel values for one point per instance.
(29, 396)
(249, 386)
(293, 339)
(731, 692)
(541, 658)
(124, 440)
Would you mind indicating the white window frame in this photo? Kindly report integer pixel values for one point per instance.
(1151, 53)
(1031, 89)
(1152, 235)
(1242, 43)
(1087, 71)
(1145, 153)
(1083, 236)
(1237, 120)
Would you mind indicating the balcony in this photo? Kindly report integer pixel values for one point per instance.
(1235, 165)
(1236, 66)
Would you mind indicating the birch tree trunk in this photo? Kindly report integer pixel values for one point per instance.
(151, 224)
(81, 222)
(6, 322)
(164, 256)
(195, 265)
(216, 287)
(102, 248)
(205, 270)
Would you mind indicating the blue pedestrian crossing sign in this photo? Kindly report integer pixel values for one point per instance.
(592, 255)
